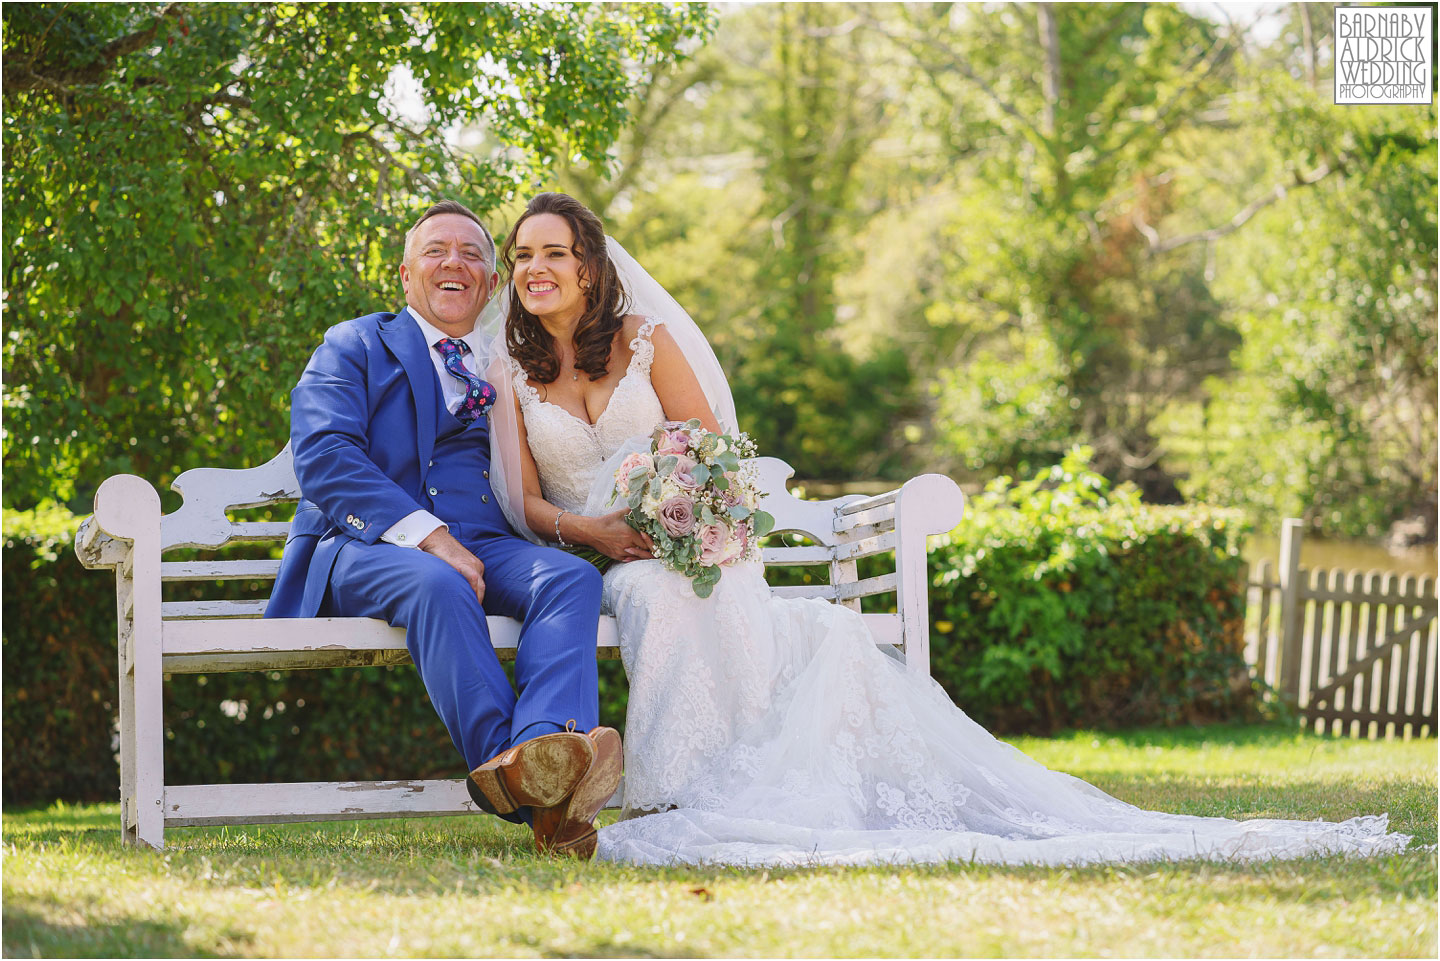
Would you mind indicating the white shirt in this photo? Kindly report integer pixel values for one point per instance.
(414, 527)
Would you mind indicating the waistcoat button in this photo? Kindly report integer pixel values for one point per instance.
(433, 492)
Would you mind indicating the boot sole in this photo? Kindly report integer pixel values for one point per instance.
(536, 773)
(576, 816)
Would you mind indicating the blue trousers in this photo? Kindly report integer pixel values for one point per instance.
(556, 596)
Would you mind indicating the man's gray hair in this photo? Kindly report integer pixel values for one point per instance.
(451, 207)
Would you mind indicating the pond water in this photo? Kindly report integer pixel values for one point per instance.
(1345, 554)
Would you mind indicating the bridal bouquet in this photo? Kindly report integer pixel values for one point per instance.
(695, 499)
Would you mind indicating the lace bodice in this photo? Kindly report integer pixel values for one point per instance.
(567, 450)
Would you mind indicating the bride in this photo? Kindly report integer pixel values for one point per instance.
(763, 730)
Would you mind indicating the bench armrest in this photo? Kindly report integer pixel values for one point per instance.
(127, 508)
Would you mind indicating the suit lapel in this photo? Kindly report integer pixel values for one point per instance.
(402, 336)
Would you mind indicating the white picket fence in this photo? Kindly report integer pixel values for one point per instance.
(1353, 651)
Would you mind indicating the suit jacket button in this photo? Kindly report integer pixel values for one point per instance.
(484, 498)
(433, 492)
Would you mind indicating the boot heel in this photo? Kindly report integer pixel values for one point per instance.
(487, 777)
(582, 847)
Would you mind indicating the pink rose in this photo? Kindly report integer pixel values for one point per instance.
(673, 442)
(682, 472)
(739, 543)
(712, 543)
(677, 516)
(634, 462)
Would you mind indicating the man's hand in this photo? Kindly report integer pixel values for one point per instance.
(440, 543)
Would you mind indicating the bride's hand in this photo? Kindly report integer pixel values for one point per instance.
(613, 537)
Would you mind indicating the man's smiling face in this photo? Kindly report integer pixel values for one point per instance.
(447, 274)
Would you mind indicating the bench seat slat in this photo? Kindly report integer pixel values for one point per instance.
(235, 636)
(796, 556)
(218, 646)
(860, 532)
(851, 550)
(868, 503)
(824, 591)
(867, 586)
(174, 611)
(219, 570)
(198, 804)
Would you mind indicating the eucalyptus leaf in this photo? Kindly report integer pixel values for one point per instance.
(762, 523)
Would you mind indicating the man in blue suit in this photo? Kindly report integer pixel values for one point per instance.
(389, 426)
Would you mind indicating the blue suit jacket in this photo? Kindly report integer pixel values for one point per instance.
(362, 431)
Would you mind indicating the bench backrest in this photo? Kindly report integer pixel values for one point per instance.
(840, 532)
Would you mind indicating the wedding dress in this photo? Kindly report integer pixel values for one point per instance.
(769, 731)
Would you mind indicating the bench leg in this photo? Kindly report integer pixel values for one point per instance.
(149, 753)
(127, 737)
(128, 508)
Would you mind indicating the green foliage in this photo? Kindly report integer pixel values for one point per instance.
(1331, 412)
(59, 683)
(194, 194)
(1062, 602)
(756, 253)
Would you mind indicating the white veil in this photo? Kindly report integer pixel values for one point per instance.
(647, 298)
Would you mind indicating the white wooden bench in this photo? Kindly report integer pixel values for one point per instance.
(128, 533)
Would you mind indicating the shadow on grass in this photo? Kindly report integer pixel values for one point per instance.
(610, 949)
(29, 935)
(62, 817)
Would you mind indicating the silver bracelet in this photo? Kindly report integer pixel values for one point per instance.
(560, 539)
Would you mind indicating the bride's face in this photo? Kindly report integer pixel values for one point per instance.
(547, 272)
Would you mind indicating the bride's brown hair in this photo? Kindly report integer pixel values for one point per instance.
(605, 304)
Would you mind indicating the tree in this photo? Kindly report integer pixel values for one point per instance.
(1067, 322)
(742, 186)
(195, 192)
(1331, 411)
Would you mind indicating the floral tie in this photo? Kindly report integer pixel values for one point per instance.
(479, 395)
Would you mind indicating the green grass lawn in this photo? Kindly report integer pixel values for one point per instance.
(473, 886)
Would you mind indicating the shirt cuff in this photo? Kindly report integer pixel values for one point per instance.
(413, 528)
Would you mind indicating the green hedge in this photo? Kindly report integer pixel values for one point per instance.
(1056, 603)
(1061, 603)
